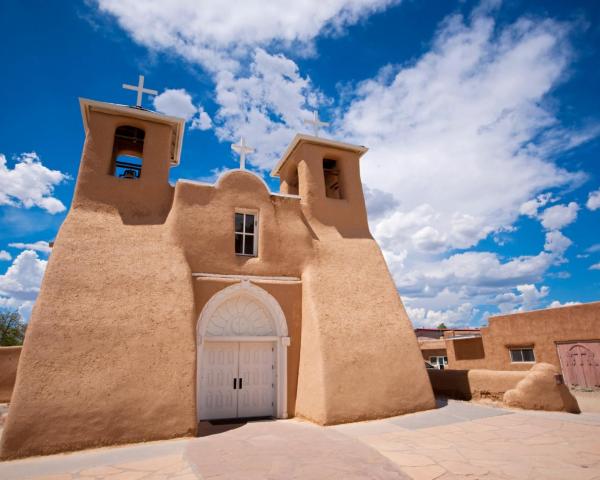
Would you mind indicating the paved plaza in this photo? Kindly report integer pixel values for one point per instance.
(458, 440)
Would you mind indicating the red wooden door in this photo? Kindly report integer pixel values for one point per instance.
(580, 363)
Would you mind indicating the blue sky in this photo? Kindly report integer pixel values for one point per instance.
(483, 175)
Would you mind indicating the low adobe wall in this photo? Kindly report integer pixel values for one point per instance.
(541, 388)
(473, 384)
(9, 359)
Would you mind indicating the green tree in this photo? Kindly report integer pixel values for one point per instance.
(12, 328)
(442, 326)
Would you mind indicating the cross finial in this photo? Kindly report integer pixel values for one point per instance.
(242, 149)
(140, 90)
(316, 123)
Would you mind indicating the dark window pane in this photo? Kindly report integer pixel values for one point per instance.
(528, 355)
(238, 243)
(249, 223)
(239, 222)
(249, 247)
(516, 356)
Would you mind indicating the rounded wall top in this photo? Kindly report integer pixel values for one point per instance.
(241, 180)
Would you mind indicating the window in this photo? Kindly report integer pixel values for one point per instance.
(128, 150)
(439, 362)
(332, 179)
(522, 355)
(246, 233)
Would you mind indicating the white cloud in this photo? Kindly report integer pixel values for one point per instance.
(556, 304)
(461, 316)
(593, 248)
(217, 33)
(527, 297)
(39, 246)
(20, 284)
(178, 103)
(30, 184)
(559, 216)
(595, 266)
(556, 242)
(593, 202)
(266, 106)
(530, 208)
(5, 256)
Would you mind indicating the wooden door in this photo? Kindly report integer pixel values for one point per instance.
(219, 369)
(580, 363)
(256, 395)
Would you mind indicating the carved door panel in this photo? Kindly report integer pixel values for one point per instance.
(219, 369)
(580, 363)
(256, 396)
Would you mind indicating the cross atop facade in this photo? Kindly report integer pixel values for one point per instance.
(140, 90)
(242, 149)
(316, 123)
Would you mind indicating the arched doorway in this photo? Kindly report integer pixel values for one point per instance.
(242, 340)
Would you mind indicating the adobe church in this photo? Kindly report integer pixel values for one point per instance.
(163, 305)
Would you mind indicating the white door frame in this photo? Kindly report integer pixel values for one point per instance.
(281, 339)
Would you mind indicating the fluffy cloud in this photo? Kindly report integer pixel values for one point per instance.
(178, 103)
(595, 266)
(266, 106)
(556, 304)
(559, 216)
(457, 317)
(556, 242)
(217, 33)
(526, 297)
(30, 184)
(593, 202)
(39, 246)
(5, 256)
(20, 283)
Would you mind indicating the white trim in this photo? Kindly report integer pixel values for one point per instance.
(281, 340)
(287, 195)
(253, 278)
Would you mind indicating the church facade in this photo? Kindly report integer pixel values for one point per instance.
(165, 305)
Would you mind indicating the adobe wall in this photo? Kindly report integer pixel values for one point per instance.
(9, 359)
(540, 329)
(473, 384)
(359, 352)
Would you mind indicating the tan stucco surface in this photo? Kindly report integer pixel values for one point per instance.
(110, 353)
(9, 359)
(474, 384)
(540, 390)
(540, 329)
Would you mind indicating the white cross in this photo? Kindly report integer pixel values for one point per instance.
(242, 149)
(140, 90)
(316, 123)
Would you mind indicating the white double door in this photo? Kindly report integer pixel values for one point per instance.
(237, 380)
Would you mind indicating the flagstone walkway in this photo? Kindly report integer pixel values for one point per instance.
(459, 440)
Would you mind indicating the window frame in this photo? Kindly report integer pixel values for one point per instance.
(437, 363)
(245, 211)
(520, 350)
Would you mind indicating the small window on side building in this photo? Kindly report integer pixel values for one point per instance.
(522, 355)
(246, 234)
(128, 152)
(331, 172)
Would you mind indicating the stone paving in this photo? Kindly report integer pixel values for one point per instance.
(458, 440)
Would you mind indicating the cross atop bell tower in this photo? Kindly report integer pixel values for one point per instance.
(139, 88)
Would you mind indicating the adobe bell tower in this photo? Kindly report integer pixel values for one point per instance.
(126, 159)
(326, 175)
